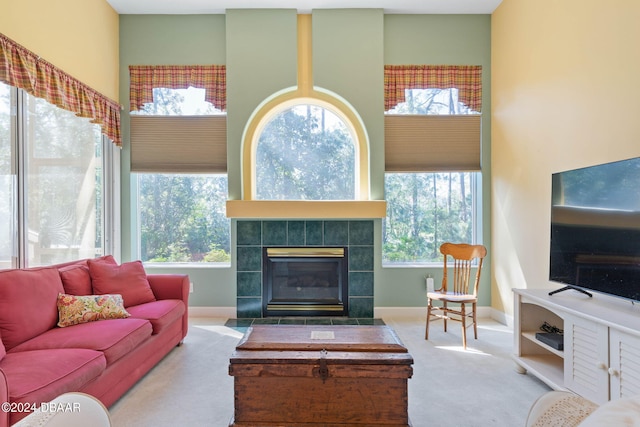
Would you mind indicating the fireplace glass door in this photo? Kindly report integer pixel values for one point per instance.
(305, 282)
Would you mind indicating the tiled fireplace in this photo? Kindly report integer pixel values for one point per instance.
(253, 236)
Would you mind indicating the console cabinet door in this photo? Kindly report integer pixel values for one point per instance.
(624, 366)
(586, 359)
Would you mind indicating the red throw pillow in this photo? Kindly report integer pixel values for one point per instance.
(76, 279)
(109, 259)
(127, 279)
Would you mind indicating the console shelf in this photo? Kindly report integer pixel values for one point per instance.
(547, 368)
(601, 336)
(532, 337)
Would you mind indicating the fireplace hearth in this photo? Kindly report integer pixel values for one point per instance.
(305, 281)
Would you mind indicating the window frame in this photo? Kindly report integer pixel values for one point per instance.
(476, 198)
(110, 183)
(135, 191)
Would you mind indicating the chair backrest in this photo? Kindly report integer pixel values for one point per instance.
(462, 257)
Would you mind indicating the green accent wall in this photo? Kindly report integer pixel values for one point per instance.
(350, 48)
(261, 60)
(348, 61)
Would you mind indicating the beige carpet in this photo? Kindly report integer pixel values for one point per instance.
(449, 387)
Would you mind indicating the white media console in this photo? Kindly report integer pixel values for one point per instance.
(601, 356)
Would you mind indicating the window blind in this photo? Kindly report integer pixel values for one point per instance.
(431, 143)
(179, 144)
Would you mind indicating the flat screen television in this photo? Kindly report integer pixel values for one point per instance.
(595, 229)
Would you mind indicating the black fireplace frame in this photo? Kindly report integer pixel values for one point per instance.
(271, 308)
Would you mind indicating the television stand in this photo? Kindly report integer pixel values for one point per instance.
(566, 288)
(600, 359)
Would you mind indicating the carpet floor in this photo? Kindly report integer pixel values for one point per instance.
(450, 386)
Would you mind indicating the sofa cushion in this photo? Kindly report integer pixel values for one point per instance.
(127, 279)
(28, 303)
(160, 313)
(76, 279)
(40, 375)
(74, 309)
(114, 338)
(3, 351)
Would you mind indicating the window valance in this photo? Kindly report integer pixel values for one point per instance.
(25, 70)
(144, 78)
(466, 78)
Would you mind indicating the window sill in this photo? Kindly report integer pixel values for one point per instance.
(306, 209)
(184, 265)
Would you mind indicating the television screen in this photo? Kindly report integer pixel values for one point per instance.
(595, 228)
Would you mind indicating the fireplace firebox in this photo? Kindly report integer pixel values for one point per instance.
(305, 281)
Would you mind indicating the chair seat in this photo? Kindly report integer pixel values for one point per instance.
(451, 297)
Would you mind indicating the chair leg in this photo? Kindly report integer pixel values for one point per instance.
(464, 326)
(426, 332)
(446, 313)
(475, 323)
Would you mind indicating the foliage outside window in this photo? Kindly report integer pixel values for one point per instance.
(426, 209)
(62, 176)
(305, 152)
(182, 216)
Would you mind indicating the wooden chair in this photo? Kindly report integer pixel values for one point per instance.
(463, 289)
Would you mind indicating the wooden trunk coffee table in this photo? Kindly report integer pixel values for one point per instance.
(329, 376)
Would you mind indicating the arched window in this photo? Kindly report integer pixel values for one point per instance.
(305, 151)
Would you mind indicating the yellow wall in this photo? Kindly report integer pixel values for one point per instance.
(565, 87)
(78, 36)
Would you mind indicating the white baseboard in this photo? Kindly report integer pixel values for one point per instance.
(502, 317)
(483, 312)
(382, 312)
(378, 312)
(226, 312)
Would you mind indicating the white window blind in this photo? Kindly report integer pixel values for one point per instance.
(179, 144)
(432, 143)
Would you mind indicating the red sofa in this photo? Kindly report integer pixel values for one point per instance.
(40, 360)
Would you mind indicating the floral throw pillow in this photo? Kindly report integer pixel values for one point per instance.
(74, 309)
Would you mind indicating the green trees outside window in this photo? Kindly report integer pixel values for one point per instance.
(305, 153)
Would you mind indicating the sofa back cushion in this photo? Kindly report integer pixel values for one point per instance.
(127, 279)
(75, 276)
(76, 279)
(28, 303)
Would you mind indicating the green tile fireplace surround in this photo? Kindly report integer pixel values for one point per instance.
(254, 235)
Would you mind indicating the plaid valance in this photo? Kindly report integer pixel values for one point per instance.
(23, 69)
(144, 78)
(466, 78)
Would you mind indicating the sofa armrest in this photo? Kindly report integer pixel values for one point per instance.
(4, 397)
(172, 286)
